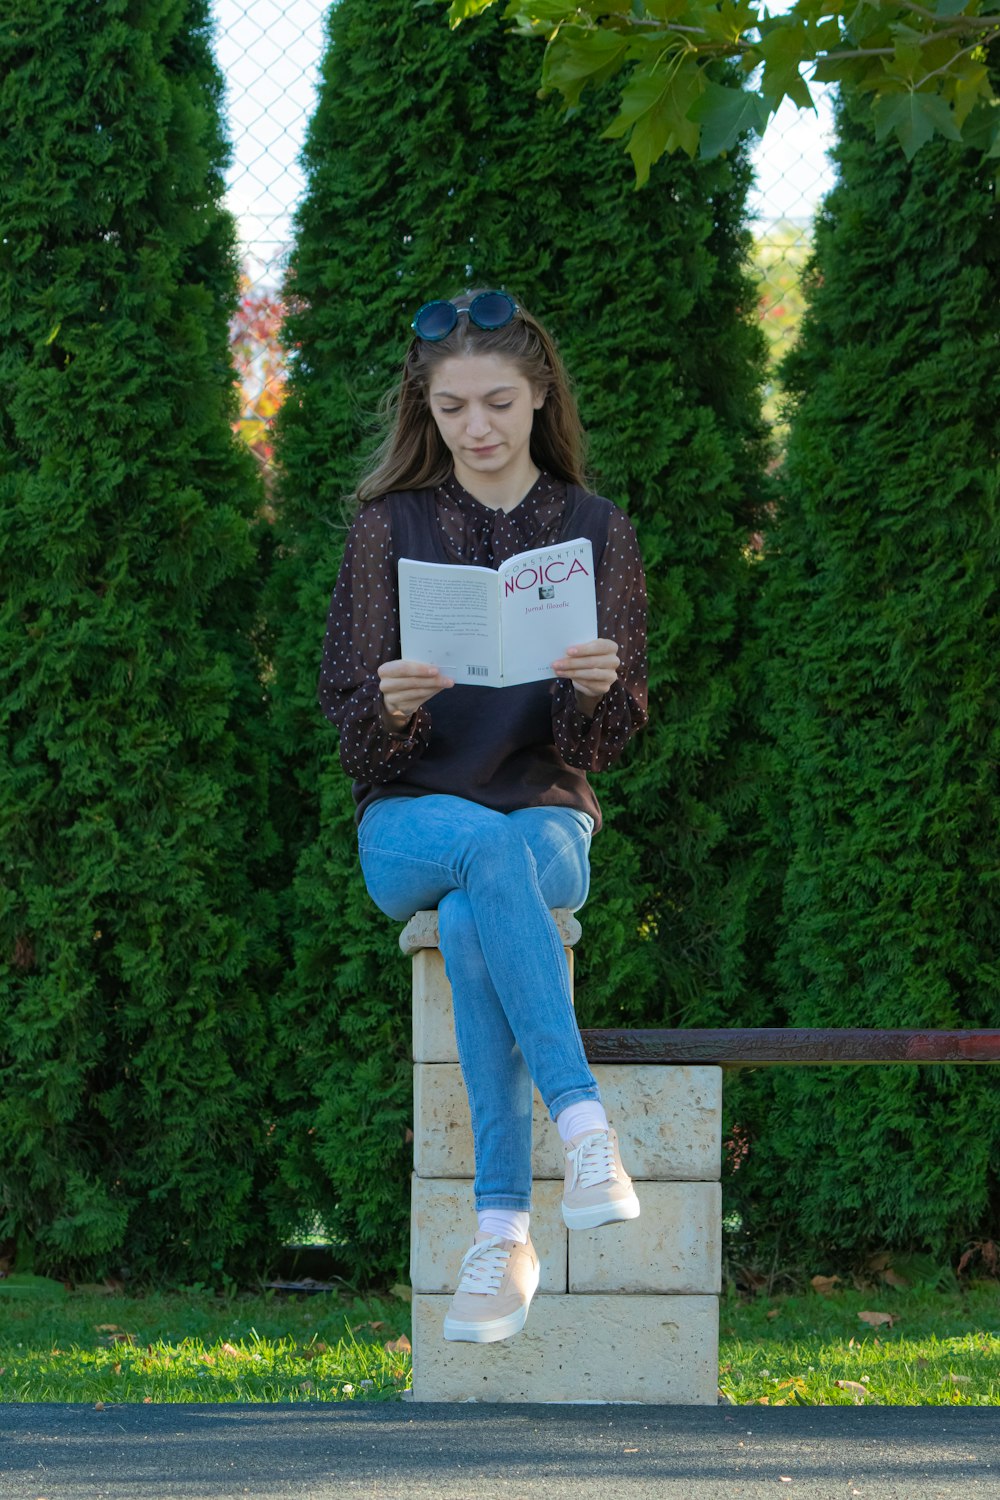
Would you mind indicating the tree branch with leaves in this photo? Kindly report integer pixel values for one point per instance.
(925, 67)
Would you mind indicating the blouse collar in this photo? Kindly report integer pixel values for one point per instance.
(543, 491)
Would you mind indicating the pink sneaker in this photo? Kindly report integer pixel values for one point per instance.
(598, 1190)
(495, 1286)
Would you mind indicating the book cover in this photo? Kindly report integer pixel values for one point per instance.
(498, 628)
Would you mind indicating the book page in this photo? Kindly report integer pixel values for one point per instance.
(448, 619)
(547, 602)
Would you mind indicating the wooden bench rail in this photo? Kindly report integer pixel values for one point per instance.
(772, 1046)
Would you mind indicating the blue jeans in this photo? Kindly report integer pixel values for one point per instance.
(493, 877)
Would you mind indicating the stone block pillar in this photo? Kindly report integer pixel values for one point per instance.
(627, 1312)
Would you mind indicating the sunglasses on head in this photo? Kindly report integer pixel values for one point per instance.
(435, 320)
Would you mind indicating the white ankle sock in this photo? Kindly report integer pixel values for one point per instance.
(505, 1223)
(578, 1119)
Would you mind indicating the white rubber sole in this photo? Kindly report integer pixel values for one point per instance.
(594, 1215)
(489, 1331)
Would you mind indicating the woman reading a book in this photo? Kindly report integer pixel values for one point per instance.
(475, 800)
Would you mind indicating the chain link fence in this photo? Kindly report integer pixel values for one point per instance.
(270, 51)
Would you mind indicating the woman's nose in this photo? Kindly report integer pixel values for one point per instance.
(478, 423)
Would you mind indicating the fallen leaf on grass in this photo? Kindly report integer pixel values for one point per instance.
(824, 1284)
(232, 1350)
(858, 1391)
(876, 1319)
(893, 1278)
(404, 1293)
(398, 1346)
(375, 1327)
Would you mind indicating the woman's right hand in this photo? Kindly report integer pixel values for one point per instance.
(405, 686)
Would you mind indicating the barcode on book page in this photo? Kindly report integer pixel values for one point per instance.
(478, 671)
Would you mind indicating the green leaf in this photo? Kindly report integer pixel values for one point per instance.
(462, 10)
(972, 84)
(668, 125)
(946, 8)
(727, 21)
(665, 10)
(782, 48)
(981, 131)
(576, 58)
(725, 114)
(914, 118)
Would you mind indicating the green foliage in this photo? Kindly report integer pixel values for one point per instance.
(883, 633)
(431, 167)
(136, 932)
(922, 69)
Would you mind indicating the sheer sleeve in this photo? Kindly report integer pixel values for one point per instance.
(362, 632)
(594, 744)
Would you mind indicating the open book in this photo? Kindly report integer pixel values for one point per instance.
(498, 628)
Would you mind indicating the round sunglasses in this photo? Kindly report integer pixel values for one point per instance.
(435, 320)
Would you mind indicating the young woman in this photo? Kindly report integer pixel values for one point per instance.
(475, 800)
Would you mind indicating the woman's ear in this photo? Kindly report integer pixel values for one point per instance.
(538, 395)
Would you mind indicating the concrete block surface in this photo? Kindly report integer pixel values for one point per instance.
(576, 1348)
(669, 1122)
(673, 1246)
(421, 931)
(442, 1129)
(668, 1119)
(433, 1018)
(443, 1225)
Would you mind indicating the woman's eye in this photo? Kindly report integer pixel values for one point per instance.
(449, 411)
(502, 405)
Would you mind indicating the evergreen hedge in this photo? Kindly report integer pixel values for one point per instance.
(883, 631)
(430, 167)
(137, 929)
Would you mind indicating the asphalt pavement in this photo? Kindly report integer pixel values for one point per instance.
(412, 1451)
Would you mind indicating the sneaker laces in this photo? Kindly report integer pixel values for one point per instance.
(593, 1161)
(484, 1267)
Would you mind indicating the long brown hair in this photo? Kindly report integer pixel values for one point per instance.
(413, 455)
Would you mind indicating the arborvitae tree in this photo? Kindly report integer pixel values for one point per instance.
(136, 930)
(883, 623)
(431, 167)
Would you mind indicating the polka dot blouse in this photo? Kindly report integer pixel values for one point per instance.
(508, 747)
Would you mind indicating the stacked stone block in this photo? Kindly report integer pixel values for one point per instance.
(627, 1312)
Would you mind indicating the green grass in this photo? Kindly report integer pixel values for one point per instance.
(942, 1348)
(192, 1346)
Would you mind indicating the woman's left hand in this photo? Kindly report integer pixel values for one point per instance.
(591, 668)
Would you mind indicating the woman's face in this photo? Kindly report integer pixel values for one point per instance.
(484, 408)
